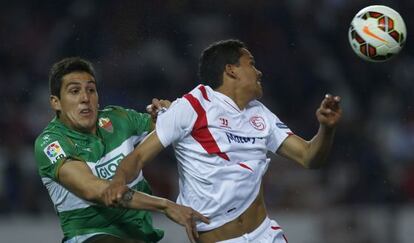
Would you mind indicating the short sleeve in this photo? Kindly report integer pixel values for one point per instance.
(278, 132)
(176, 122)
(51, 150)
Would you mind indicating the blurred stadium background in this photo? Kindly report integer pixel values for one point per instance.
(145, 49)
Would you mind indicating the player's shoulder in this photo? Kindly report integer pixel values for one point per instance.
(53, 128)
(256, 103)
(115, 112)
(202, 92)
(112, 109)
(57, 131)
(257, 106)
(53, 132)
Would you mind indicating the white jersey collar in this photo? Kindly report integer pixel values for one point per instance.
(225, 99)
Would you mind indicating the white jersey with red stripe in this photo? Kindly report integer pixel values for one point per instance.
(221, 151)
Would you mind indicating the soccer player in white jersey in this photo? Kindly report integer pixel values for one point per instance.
(221, 135)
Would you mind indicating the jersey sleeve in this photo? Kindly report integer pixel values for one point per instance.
(278, 132)
(176, 122)
(51, 151)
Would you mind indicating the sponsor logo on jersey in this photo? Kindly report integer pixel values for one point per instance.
(224, 122)
(281, 125)
(54, 152)
(239, 139)
(106, 124)
(107, 169)
(258, 123)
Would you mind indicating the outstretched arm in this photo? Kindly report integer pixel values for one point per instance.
(78, 178)
(117, 193)
(130, 167)
(312, 154)
(180, 214)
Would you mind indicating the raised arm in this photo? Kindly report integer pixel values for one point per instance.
(312, 154)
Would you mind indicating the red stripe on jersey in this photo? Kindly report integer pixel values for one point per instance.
(279, 228)
(290, 133)
(247, 167)
(200, 130)
(203, 92)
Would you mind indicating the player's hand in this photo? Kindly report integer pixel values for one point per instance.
(113, 194)
(329, 113)
(156, 107)
(186, 217)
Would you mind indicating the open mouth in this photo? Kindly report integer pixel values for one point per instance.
(86, 112)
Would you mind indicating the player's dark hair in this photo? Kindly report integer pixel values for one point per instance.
(66, 66)
(214, 59)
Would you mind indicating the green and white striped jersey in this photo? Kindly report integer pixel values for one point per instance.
(119, 131)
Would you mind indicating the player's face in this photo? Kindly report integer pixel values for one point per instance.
(248, 75)
(78, 103)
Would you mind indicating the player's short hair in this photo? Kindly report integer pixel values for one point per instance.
(214, 59)
(66, 66)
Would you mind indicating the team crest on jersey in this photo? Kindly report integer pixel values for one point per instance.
(106, 124)
(258, 123)
(54, 152)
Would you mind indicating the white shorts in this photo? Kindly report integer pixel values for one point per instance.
(267, 232)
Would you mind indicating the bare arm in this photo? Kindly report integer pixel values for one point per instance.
(77, 177)
(180, 214)
(129, 168)
(312, 154)
(133, 163)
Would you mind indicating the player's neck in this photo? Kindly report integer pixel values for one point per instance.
(240, 98)
(91, 130)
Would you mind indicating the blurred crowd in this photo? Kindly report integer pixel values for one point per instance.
(146, 49)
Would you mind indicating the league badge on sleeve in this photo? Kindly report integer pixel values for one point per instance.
(54, 152)
(281, 125)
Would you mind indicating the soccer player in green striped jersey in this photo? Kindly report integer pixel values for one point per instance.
(77, 155)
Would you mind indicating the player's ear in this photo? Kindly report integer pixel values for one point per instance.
(229, 70)
(55, 103)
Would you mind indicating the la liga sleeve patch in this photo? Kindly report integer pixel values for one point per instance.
(54, 152)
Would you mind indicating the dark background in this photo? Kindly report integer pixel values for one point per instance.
(146, 49)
